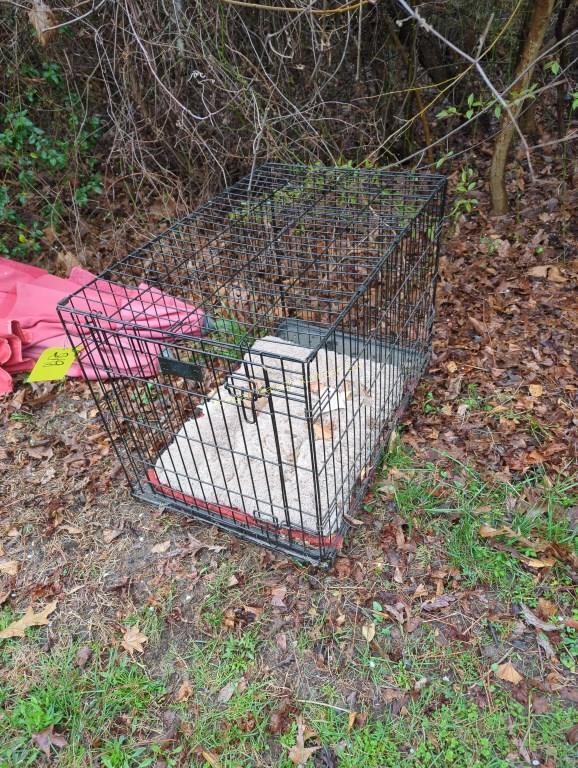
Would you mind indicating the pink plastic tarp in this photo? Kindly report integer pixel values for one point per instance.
(136, 321)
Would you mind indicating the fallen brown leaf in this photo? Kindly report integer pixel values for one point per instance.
(540, 705)
(509, 673)
(549, 271)
(556, 276)
(133, 640)
(536, 390)
(253, 611)
(280, 718)
(47, 739)
(83, 656)
(300, 754)
(539, 271)
(420, 591)
(568, 693)
(438, 602)
(71, 529)
(353, 520)
(40, 452)
(195, 546)
(158, 549)
(534, 562)
(226, 693)
(395, 698)
(212, 759)
(572, 735)
(278, 596)
(534, 621)
(545, 645)
(555, 681)
(342, 567)
(546, 608)
(479, 326)
(110, 534)
(30, 619)
(487, 532)
(390, 694)
(9, 567)
(368, 631)
(397, 611)
(184, 690)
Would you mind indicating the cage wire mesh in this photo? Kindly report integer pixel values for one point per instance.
(316, 291)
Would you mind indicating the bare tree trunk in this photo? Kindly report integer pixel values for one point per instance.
(566, 22)
(535, 37)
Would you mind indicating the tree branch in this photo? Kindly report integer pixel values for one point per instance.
(427, 27)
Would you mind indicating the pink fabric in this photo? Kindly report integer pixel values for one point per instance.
(136, 321)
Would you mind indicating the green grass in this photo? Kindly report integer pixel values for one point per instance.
(83, 705)
(455, 713)
(236, 728)
(454, 501)
(439, 728)
(110, 711)
(212, 608)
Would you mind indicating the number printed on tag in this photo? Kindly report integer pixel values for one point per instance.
(53, 364)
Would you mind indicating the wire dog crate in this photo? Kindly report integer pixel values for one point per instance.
(315, 287)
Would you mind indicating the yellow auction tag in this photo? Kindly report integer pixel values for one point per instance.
(53, 364)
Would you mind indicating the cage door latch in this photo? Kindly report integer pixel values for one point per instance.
(245, 391)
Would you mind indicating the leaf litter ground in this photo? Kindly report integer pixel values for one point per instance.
(446, 633)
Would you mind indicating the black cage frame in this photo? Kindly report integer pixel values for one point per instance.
(317, 290)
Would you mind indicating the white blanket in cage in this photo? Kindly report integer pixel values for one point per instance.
(263, 464)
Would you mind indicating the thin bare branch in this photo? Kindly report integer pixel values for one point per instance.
(475, 62)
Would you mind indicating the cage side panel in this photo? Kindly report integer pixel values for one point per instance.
(221, 449)
(388, 333)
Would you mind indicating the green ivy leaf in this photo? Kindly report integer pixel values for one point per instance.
(553, 66)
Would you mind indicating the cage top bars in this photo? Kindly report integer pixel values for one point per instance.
(254, 214)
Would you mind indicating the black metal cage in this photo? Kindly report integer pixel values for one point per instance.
(251, 361)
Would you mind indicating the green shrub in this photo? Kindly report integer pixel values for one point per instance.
(47, 165)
